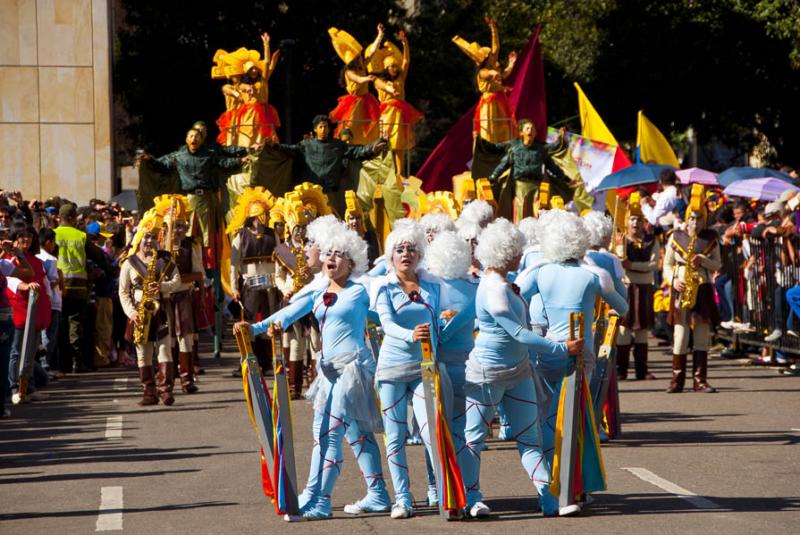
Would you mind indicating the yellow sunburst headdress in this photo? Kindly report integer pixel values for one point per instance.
(353, 207)
(345, 45)
(229, 64)
(697, 202)
(439, 202)
(311, 196)
(172, 207)
(473, 50)
(483, 190)
(277, 214)
(295, 213)
(151, 221)
(253, 202)
(383, 57)
(635, 205)
(463, 189)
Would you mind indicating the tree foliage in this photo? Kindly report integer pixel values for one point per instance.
(729, 68)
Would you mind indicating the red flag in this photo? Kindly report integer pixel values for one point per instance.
(453, 153)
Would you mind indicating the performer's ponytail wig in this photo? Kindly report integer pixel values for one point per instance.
(448, 256)
(349, 242)
(563, 235)
(404, 233)
(501, 242)
(478, 211)
(599, 226)
(530, 229)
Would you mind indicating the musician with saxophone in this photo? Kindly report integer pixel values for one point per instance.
(147, 278)
(692, 256)
(291, 274)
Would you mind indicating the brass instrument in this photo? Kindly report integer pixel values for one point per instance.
(691, 278)
(148, 306)
(297, 278)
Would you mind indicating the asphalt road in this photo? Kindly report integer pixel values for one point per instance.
(688, 463)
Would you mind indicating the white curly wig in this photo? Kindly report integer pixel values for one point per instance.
(480, 212)
(404, 222)
(404, 234)
(323, 227)
(500, 243)
(437, 223)
(599, 226)
(563, 236)
(349, 242)
(468, 230)
(530, 228)
(448, 256)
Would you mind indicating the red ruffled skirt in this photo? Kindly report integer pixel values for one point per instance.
(359, 113)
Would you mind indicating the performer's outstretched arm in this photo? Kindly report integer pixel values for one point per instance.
(501, 168)
(288, 314)
(499, 308)
(406, 54)
(376, 44)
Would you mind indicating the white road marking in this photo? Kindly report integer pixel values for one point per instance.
(110, 516)
(793, 429)
(697, 501)
(120, 383)
(114, 427)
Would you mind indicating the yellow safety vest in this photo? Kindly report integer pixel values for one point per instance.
(71, 252)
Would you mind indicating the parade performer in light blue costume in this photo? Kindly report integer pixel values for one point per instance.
(407, 301)
(342, 395)
(530, 255)
(564, 241)
(599, 227)
(498, 370)
(448, 257)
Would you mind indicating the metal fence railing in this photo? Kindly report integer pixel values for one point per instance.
(758, 272)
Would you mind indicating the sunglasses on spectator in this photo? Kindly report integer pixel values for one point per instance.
(400, 249)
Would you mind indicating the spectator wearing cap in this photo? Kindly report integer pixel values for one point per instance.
(104, 290)
(73, 252)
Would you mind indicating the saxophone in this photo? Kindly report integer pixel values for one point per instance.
(692, 279)
(300, 264)
(148, 306)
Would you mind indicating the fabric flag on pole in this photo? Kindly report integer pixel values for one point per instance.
(652, 146)
(593, 127)
(453, 153)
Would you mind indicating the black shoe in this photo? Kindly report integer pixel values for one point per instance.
(80, 368)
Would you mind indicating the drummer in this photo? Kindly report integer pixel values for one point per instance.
(252, 275)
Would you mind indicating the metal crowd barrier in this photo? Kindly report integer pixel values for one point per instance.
(760, 271)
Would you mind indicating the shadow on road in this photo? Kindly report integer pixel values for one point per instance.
(93, 512)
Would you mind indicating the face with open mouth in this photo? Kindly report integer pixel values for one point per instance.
(336, 265)
(405, 257)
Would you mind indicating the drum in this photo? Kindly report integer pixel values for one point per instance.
(260, 282)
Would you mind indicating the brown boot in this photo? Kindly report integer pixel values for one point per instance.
(640, 362)
(295, 378)
(146, 377)
(700, 372)
(166, 381)
(678, 374)
(623, 361)
(187, 378)
(197, 369)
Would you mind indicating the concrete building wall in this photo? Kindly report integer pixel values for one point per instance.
(55, 98)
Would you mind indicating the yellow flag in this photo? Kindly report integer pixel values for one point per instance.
(593, 127)
(653, 146)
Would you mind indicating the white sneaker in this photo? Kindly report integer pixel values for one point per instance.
(569, 510)
(774, 336)
(793, 333)
(728, 325)
(480, 510)
(16, 399)
(401, 511)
